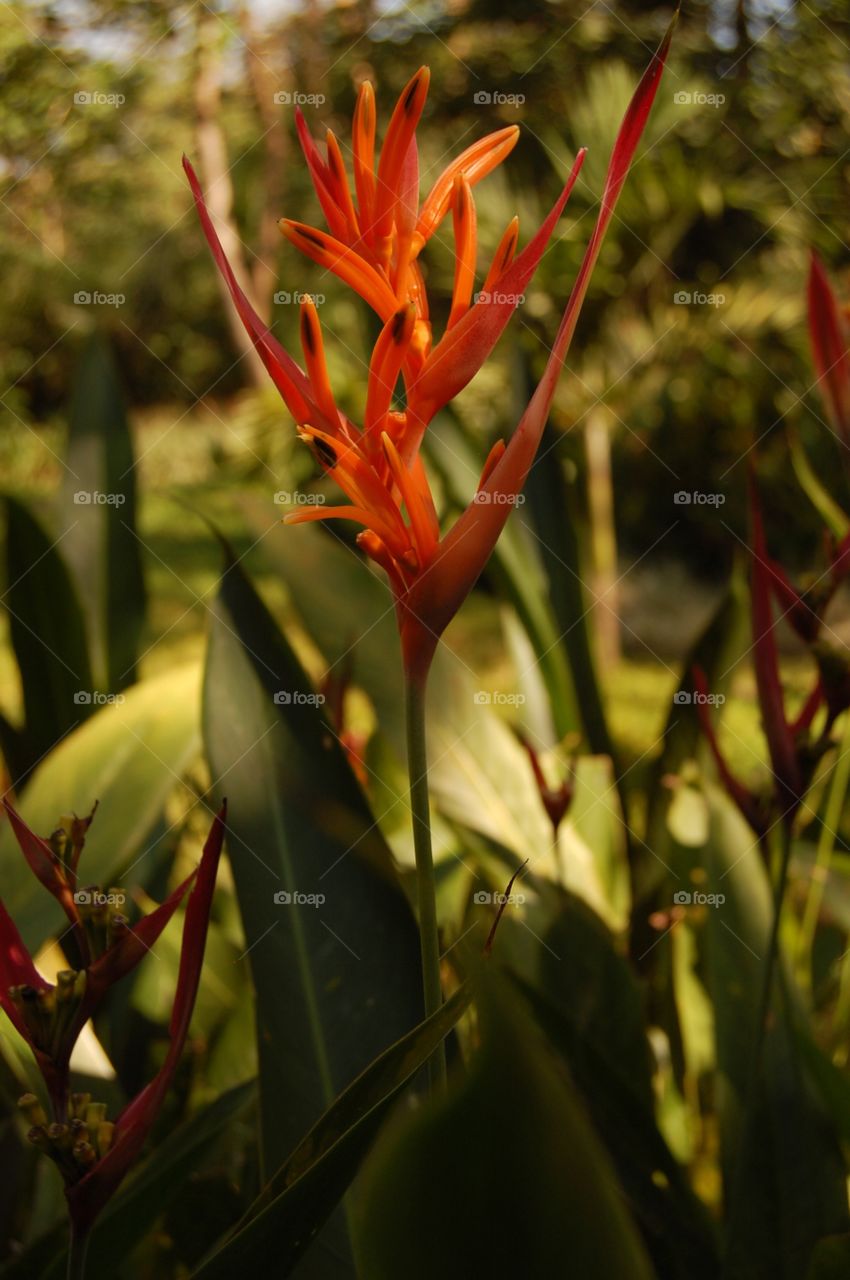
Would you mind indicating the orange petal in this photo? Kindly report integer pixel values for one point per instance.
(387, 359)
(363, 143)
(341, 189)
(474, 163)
(321, 177)
(399, 135)
(351, 268)
(504, 255)
(314, 358)
(466, 244)
(420, 526)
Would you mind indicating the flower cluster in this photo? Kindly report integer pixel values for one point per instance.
(377, 230)
(92, 1153)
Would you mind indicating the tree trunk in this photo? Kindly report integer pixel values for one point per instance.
(215, 177)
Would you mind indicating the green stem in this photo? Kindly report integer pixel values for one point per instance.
(417, 768)
(826, 846)
(751, 1092)
(77, 1249)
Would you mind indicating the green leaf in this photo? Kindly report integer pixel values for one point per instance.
(300, 1196)
(586, 999)
(783, 1170)
(502, 1177)
(337, 978)
(48, 637)
(819, 496)
(102, 547)
(128, 756)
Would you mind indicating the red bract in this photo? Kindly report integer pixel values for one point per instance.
(793, 753)
(828, 331)
(375, 236)
(87, 1195)
(92, 1153)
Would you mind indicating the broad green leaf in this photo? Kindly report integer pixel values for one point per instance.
(502, 1177)
(128, 756)
(586, 999)
(336, 975)
(480, 775)
(99, 510)
(48, 636)
(302, 1193)
(131, 1215)
(783, 1170)
(550, 516)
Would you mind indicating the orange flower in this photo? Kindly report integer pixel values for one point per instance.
(375, 236)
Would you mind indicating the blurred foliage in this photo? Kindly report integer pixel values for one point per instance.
(726, 201)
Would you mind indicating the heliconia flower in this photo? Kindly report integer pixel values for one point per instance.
(792, 752)
(374, 238)
(50, 1016)
(829, 338)
(108, 1150)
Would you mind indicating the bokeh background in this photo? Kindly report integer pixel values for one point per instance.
(745, 169)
